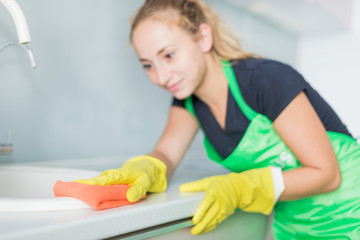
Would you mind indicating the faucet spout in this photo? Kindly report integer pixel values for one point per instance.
(19, 19)
(25, 47)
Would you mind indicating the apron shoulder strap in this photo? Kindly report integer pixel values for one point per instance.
(235, 90)
(189, 105)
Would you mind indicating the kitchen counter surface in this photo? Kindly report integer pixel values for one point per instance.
(157, 209)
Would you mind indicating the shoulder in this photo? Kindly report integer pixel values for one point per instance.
(262, 67)
(266, 74)
(268, 85)
(177, 102)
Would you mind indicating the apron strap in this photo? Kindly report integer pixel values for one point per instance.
(235, 90)
(189, 106)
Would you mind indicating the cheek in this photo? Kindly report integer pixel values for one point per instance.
(196, 63)
(196, 70)
(153, 78)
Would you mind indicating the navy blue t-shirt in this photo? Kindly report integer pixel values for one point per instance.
(267, 86)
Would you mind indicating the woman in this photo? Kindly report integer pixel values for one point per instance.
(287, 148)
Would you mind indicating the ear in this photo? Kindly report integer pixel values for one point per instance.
(205, 37)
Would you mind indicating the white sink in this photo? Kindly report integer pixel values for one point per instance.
(27, 189)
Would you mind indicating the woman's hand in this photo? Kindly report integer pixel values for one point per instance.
(251, 191)
(144, 173)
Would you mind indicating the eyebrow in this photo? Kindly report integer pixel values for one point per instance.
(158, 53)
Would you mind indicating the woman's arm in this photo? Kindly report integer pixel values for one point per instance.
(300, 128)
(176, 138)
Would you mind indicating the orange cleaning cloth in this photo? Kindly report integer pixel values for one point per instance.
(97, 197)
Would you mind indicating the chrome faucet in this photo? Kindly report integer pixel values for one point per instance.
(19, 19)
(21, 28)
(24, 37)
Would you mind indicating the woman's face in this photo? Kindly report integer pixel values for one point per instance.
(172, 58)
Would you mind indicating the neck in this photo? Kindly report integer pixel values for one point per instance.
(214, 88)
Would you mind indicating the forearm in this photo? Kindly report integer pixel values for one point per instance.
(176, 139)
(307, 181)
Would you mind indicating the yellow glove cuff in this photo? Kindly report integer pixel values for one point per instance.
(157, 173)
(157, 162)
(256, 192)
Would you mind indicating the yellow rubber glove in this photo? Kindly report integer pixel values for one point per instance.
(250, 191)
(144, 173)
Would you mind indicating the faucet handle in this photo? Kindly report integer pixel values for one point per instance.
(7, 147)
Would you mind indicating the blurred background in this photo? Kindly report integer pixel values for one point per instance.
(89, 97)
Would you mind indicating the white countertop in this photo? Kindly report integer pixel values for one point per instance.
(90, 224)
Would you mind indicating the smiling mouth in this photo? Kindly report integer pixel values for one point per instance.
(175, 87)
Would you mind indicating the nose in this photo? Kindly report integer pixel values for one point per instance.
(163, 75)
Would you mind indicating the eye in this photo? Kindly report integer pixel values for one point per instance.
(169, 55)
(147, 66)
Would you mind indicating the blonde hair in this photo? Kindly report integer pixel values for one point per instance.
(192, 13)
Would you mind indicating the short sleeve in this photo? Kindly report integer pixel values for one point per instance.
(177, 102)
(275, 85)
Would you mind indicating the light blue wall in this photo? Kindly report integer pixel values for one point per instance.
(89, 97)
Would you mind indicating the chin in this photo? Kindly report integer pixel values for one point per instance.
(181, 95)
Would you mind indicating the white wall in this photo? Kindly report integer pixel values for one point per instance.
(331, 64)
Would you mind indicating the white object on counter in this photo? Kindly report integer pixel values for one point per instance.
(29, 189)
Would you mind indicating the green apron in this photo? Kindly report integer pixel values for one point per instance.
(334, 215)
